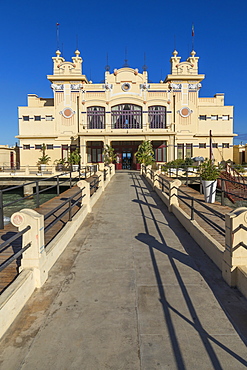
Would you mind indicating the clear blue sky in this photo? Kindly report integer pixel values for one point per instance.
(28, 42)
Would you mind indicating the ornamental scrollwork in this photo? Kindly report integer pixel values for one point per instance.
(76, 86)
(195, 86)
(175, 86)
(56, 87)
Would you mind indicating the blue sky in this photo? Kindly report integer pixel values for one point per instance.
(28, 42)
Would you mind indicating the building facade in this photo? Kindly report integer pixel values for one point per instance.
(9, 157)
(123, 111)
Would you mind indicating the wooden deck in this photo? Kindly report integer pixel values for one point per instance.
(209, 221)
(11, 272)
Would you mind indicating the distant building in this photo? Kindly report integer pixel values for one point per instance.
(240, 153)
(9, 157)
(123, 111)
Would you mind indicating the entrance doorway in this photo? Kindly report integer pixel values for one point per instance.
(125, 152)
(126, 160)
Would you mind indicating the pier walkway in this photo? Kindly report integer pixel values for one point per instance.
(132, 291)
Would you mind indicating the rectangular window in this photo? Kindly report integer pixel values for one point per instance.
(38, 146)
(202, 145)
(95, 151)
(160, 150)
(157, 116)
(49, 146)
(48, 118)
(180, 153)
(65, 149)
(37, 118)
(25, 118)
(214, 117)
(225, 145)
(26, 146)
(203, 117)
(189, 150)
(214, 145)
(225, 118)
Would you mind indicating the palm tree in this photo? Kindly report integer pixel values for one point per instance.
(109, 155)
(145, 153)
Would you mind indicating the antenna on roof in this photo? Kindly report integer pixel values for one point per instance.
(107, 67)
(144, 67)
(57, 32)
(126, 59)
(174, 42)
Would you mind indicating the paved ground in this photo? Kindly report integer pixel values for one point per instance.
(132, 291)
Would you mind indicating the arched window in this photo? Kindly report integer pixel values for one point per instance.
(126, 116)
(96, 118)
(157, 116)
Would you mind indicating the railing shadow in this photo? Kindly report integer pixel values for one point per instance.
(174, 255)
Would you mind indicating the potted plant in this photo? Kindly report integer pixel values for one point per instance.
(109, 155)
(209, 174)
(145, 153)
(60, 163)
(44, 159)
(74, 159)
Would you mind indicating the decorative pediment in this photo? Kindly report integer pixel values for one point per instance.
(126, 74)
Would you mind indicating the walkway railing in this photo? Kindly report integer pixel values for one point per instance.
(231, 183)
(16, 255)
(41, 255)
(71, 202)
(187, 199)
(222, 235)
(65, 179)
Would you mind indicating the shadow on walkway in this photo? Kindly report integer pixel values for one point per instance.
(206, 269)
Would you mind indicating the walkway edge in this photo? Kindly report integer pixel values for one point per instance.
(14, 298)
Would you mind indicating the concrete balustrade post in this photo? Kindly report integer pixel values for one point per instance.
(28, 189)
(35, 256)
(156, 180)
(112, 170)
(85, 186)
(101, 178)
(173, 192)
(148, 173)
(27, 171)
(235, 254)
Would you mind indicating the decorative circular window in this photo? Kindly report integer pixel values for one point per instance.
(125, 86)
(67, 112)
(185, 112)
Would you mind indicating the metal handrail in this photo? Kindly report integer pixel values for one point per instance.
(17, 254)
(87, 169)
(94, 185)
(194, 210)
(14, 237)
(14, 257)
(59, 217)
(62, 204)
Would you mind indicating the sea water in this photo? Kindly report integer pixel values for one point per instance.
(22, 203)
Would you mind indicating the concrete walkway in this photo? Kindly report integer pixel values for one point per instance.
(132, 291)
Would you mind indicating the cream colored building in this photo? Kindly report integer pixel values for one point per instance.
(123, 111)
(240, 153)
(9, 157)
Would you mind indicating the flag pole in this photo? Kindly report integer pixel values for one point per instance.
(57, 29)
(193, 35)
